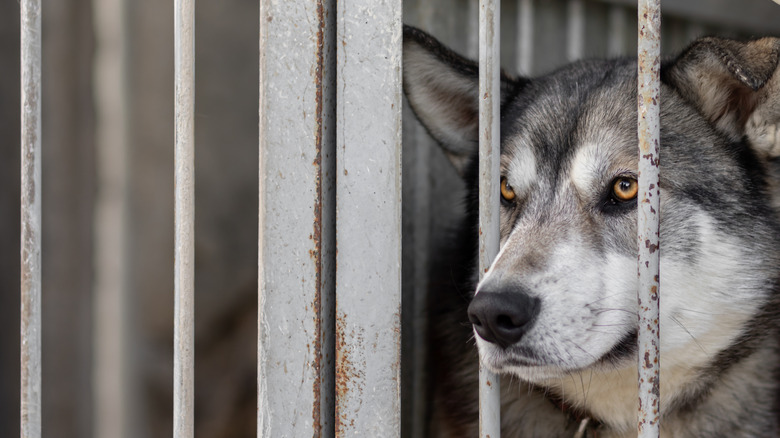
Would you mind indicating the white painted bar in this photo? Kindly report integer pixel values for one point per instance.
(753, 17)
(296, 248)
(616, 43)
(368, 277)
(31, 219)
(112, 351)
(525, 45)
(184, 217)
(489, 173)
(575, 34)
(694, 30)
(648, 298)
(472, 40)
(423, 167)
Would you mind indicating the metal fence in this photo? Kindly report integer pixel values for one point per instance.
(329, 340)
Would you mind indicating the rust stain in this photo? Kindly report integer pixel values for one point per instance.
(316, 236)
(349, 376)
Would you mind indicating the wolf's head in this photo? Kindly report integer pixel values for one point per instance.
(560, 297)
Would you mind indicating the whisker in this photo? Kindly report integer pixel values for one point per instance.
(677, 321)
(701, 312)
(602, 299)
(603, 310)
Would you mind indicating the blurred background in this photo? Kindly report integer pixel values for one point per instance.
(108, 195)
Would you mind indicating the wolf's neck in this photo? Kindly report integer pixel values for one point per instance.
(691, 401)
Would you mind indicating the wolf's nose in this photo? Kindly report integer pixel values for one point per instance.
(502, 317)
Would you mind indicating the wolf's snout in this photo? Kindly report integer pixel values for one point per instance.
(502, 317)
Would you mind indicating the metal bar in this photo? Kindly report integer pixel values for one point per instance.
(368, 302)
(420, 165)
(575, 36)
(525, 46)
(616, 45)
(753, 17)
(472, 40)
(489, 158)
(184, 218)
(110, 314)
(693, 30)
(296, 247)
(31, 219)
(649, 51)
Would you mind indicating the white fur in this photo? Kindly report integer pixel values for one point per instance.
(588, 305)
(523, 168)
(590, 162)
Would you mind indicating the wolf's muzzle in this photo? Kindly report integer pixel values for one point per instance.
(503, 317)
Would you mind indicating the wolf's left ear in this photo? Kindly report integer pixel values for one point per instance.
(443, 88)
(736, 85)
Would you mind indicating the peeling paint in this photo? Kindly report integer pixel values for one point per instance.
(184, 221)
(489, 160)
(369, 226)
(316, 253)
(296, 221)
(31, 219)
(649, 15)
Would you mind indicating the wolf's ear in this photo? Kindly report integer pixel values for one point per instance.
(736, 85)
(442, 88)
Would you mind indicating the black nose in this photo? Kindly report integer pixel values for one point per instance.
(503, 317)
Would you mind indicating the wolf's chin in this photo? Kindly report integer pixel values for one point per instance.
(534, 368)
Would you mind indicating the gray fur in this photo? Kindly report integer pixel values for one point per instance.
(566, 241)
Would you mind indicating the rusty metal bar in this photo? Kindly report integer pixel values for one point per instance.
(489, 159)
(296, 247)
(616, 44)
(649, 51)
(368, 303)
(184, 217)
(31, 219)
(111, 336)
(575, 36)
(525, 44)
(472, 42)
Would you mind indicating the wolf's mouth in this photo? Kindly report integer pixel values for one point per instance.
(526, 358)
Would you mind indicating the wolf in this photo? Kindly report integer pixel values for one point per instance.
(555, 314)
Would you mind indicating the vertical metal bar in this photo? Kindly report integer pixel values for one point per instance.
(111, 338)
(693, 30)
(525, 46)
(31, 219)
(489, 158)
(418, 159)
(472, 47)
(616, 45)
(368, 302)
(649, 51)
(575, 36)
(296, 247)
(184, 213)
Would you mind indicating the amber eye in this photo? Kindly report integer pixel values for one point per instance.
(506, 190)
(625, 188)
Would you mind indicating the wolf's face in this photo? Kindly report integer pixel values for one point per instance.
(560, 297)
